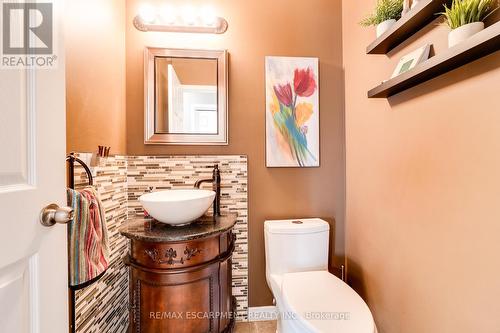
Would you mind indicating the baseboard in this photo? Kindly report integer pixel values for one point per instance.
(262, 313)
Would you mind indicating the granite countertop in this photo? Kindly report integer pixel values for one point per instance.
(149, 230)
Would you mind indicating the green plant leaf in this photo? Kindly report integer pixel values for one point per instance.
(384, 10)
(463, 12)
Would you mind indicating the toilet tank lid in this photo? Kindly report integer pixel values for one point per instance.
(296, 226)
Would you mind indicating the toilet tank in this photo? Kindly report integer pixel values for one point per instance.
(296, 245)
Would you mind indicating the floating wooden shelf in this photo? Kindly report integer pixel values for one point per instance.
(406, 26)
(477, 46)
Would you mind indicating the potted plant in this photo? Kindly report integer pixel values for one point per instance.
(385, 15)
(465, 18)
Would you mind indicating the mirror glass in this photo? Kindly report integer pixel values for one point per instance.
(185, 98)
(186, 95)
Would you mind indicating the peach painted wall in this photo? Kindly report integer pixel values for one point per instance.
(95, 75)
(423, 188)
(257, 29)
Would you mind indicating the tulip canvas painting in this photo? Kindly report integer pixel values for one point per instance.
(292, 112)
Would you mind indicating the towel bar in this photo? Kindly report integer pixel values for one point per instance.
(71, 159)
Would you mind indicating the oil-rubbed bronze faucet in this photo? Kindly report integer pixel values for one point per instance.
(215, 180)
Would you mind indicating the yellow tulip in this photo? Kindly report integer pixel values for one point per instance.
(303, 112)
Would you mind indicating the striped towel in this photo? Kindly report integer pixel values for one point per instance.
(88, 237)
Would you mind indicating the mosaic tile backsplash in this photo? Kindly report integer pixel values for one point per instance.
(120, 180)
(167, 172)
(103, 306)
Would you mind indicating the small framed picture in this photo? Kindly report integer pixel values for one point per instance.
(411, 60)
(406, 7)
(414, 3)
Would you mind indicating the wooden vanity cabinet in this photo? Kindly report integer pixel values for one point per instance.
(181, 286)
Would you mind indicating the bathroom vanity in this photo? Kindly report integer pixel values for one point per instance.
(180, 277)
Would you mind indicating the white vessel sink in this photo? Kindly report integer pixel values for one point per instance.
(177, 207)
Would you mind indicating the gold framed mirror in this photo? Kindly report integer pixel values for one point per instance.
(185, 97)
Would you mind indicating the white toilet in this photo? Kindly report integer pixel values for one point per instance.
(308, 297)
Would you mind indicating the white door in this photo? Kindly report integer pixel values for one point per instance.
(33, 258)
(176, 121)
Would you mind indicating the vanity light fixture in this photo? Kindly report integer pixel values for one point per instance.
(186, 19)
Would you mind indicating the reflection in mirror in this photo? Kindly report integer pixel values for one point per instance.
(186, 95)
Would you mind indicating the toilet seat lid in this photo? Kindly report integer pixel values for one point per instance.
(324, 303)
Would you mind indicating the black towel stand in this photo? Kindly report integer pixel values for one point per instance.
(71, 159)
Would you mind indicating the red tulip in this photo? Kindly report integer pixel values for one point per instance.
(284, 94)
(304, 82)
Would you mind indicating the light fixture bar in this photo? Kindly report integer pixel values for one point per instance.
(219, 27)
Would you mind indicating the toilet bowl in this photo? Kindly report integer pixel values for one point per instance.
(308, 297)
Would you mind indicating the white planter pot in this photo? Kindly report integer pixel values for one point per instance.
(460, 34)
(384, 26)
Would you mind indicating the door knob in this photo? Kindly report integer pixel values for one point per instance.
(53, 214)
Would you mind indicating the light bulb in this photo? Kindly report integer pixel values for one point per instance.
(189, 15)
(147, 13)
(208, 15)
(168, 14)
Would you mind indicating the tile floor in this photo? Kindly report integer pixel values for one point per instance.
(256, 327)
